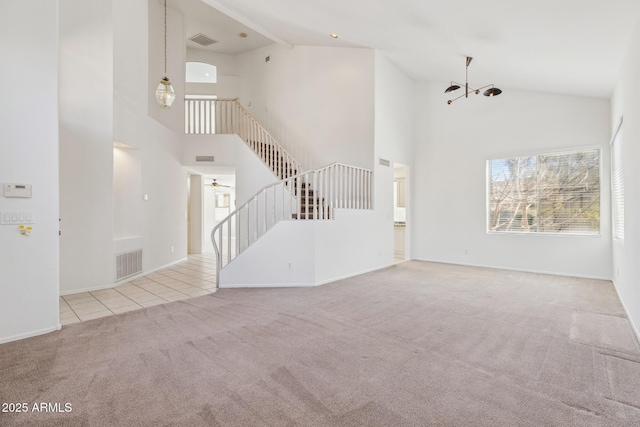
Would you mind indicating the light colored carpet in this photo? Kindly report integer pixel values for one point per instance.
(417, 344)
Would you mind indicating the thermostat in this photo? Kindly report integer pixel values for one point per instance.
(17, 190)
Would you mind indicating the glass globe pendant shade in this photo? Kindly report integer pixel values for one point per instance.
(165, 95)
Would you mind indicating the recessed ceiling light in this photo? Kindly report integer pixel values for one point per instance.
(333, 36)
(243, 35)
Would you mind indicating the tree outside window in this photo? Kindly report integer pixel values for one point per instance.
(547, 193)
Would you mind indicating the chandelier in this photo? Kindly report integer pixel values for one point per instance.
(491, 91)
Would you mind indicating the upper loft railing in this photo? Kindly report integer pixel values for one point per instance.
(308, 196)
(228, 116)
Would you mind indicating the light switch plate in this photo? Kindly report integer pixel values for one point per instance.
(16, 217)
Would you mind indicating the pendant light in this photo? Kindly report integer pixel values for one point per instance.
(492, 91)
(165, 95)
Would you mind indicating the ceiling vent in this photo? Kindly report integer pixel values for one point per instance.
(202, 40)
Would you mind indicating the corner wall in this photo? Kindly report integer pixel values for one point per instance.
(394, 138)
(29, 155)
(453, 143)
(116, 41)
(626, 253)
(86, 144)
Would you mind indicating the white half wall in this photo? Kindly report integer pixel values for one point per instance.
(308, 253)
(283, 257)
(349, 245)
(453, 144)
(29, 155)
(626, 253)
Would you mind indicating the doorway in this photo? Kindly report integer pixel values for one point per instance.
(400, 208)
(211, 198)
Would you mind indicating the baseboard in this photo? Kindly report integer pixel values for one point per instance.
(30, 334)
(624, 307)
(346, 276)
(265, 285)
(121, 282)
(302, 285)
(523, 270)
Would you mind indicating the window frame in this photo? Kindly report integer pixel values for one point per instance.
(488, 186)
(617, 176)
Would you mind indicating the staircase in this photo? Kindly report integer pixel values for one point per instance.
(299, 195)
(307, 204)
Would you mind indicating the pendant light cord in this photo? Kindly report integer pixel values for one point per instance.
(165, 38)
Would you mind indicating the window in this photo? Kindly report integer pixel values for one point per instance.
(547, 193)
(617, 183)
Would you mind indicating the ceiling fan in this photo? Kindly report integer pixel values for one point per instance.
(215, 185)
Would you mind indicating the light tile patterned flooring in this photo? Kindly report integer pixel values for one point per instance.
(188, 279)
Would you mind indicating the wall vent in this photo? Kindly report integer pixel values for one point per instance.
(385, 162)
(204, 158)
(128, 264)
(202, 40)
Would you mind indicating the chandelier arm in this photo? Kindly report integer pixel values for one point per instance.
(454, 99)
(483, 87)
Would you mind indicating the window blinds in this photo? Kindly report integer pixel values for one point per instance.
(617, 183)
(547, 193)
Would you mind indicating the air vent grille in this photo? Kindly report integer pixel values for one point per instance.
(204, 159)
(128, 264)
(202, 40)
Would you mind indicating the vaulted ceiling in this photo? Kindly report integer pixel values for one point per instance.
(558, 46)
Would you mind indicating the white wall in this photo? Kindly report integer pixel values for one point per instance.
(229, 150)
(196, 210)
(266, 262)
(127, 193)
(86, 144)
(29, 154)
(453, 143)
(155, 132)
(317, 102)
(627, 253)
(228, 85)
(130, 37)
(394, 138)
(348, 245)
(111, 103)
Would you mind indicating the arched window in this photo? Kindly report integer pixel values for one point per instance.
(199, 72)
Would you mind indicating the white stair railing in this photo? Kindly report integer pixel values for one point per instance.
(228, 116)
(309, 196)
(298, 195)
